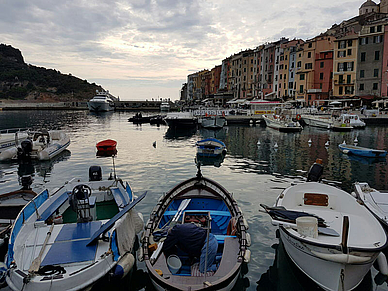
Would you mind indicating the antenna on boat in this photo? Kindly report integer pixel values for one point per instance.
(114, 167)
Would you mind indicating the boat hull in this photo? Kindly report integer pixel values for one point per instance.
(363, 152)
(282, 126)
(327, 274)
(213, 122)
(100, 106)
(181, 122)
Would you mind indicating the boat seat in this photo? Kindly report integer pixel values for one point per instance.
(54, 206)
(70, 245)
(221, 238)
(212, 212)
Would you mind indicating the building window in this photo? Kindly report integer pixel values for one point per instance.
(321, 76)
(377, 55)
(349, 52)
(301, 77)
(309, 54)
(290, 85)
(363, 41)
(292, 74)
(308, 66)
(342, 44)
(299, 64)
(310, 45)
(379, 28)
(341, 79)
(375, 86)
(341, 90)
(320, 85)
(350, 42)
(375, 72)
(361, 87)
(363, 56)
(340, 67)
(372, 29)
(377, 39)
(322, 64)
(348, 79)
(301, 89)
(362, 73)
(341, 54)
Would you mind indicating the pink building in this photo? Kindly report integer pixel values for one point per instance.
(384, 75)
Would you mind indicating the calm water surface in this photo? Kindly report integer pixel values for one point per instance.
(254, 174)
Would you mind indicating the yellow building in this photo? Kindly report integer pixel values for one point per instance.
(344, 66)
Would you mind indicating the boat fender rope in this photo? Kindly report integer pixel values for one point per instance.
(298, 117)
(232, 226)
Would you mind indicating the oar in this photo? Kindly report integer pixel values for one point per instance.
(181, 207)
(37, 261)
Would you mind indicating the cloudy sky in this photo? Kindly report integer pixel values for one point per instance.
(143, 49)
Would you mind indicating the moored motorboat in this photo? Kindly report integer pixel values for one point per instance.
(181, 120)
(212, 122)
(282, 123)
(103, 101)
(209, 204)
(210, 147)
(328, 245)
(361, 151)
(41, 145)
(12, 137)
(70, 238)
(354, 120)
(328, 122)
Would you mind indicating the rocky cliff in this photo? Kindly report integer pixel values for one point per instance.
(21, 81)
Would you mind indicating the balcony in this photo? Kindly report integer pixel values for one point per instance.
(309, 91)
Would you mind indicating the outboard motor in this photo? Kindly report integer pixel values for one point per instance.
(95, 173)
(315, 172)
(25, 150)
(26, 182)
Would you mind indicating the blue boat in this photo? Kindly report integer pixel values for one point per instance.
(361, 151)
(210, 147)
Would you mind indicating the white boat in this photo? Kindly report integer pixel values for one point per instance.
(12, 137)
(342, 240)
(181, 120)
(328, 122)
(41, 145)
(72, 237)
(164, 106)
(212, 122)
(354, 119)
(376, 201)
(103, 101)
(283, 123)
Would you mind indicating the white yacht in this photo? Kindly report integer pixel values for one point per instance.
(165, 106)
(103, 101)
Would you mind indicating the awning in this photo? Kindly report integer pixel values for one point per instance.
(236, 101)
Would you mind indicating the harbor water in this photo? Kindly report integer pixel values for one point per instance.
(259, 164)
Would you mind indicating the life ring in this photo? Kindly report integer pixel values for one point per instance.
(347, 120)
(298, 117)
(232, 226)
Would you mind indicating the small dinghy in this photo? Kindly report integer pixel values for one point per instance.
(70, 238)
(210, 147)
(361, 151)
(106, 147)
(328, 235)
(283, 123)
(41, 145)
(208, 211)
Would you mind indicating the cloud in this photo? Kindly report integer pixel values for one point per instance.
(158, 41)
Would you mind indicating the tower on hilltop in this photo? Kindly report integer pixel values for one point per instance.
(371, 7)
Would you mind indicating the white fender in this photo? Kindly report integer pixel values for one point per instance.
(247, 256)
(124, 265)
(382, 262)
(245, 222)
(249, 241)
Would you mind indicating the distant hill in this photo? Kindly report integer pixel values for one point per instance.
(21, 81)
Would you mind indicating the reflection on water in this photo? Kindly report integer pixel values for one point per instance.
(215, 161)
(253, 173)
(179, 133)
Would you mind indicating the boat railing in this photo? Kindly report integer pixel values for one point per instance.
(12, 130)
